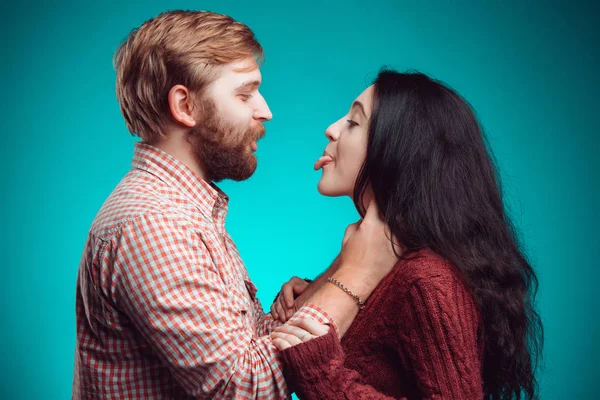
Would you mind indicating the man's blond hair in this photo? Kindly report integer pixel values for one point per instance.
(176, 47)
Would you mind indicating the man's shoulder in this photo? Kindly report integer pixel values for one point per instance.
(137, 196)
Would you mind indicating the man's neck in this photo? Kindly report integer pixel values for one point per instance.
(177, 146)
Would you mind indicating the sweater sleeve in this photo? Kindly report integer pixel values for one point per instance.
(438, 339)
(315, 370)
(437, 342)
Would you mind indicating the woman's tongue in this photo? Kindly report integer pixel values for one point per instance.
(322, 161)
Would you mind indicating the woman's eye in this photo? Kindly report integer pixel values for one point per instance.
(352, 123)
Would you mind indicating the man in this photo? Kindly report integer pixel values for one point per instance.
(165, 307)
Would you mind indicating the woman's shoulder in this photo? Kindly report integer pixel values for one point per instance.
(425, 267)
(429, 281)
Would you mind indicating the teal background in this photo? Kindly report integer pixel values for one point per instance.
(530, 72)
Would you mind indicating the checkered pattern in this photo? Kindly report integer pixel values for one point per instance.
(165, 307)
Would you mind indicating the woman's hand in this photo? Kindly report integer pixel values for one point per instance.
(367, 251)
(285, 305)
(296, 332)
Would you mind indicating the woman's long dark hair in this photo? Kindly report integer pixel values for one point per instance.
(435, 183)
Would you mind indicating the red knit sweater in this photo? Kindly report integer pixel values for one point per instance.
(417, 338)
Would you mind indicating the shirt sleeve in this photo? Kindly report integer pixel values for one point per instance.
(265, 324)
(168, 284)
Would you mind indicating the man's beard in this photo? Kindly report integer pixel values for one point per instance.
(223, 148)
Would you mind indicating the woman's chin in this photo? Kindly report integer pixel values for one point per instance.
(329, 190)
(323, 188)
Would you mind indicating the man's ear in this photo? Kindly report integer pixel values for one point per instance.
(181, 105)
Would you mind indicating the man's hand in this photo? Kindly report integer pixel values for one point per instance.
(285, 304)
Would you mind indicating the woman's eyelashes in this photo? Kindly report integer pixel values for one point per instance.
(352, 123)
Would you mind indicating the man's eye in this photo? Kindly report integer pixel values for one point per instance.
(245, 97)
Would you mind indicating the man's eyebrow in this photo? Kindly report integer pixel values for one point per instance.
(250, 85)
(360, 106)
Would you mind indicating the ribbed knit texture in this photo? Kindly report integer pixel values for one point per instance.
(417, 338)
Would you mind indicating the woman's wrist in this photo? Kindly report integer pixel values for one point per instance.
(357, 280)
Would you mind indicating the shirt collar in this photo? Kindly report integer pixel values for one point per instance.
(206, 196)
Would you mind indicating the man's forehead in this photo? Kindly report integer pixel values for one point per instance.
(242, 71)
(245, 65)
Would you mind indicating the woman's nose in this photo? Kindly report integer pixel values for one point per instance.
(332, 132)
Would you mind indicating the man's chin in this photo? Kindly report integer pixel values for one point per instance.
(251, 169)
(237, 173)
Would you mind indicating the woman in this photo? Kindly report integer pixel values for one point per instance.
(455, 318)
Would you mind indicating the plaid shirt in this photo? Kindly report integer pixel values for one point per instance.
(165, 307)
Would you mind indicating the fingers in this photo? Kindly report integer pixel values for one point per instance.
(281, 344)
(284, 306)
(289, 312)
(274, 312)
(299, 333)
(299, 286)
(281, 311)
(311, 326)
(277, 311)
(291, 339)
(287, 294)
(293, 287)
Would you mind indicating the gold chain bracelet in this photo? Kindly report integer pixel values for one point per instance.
(361, 304)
